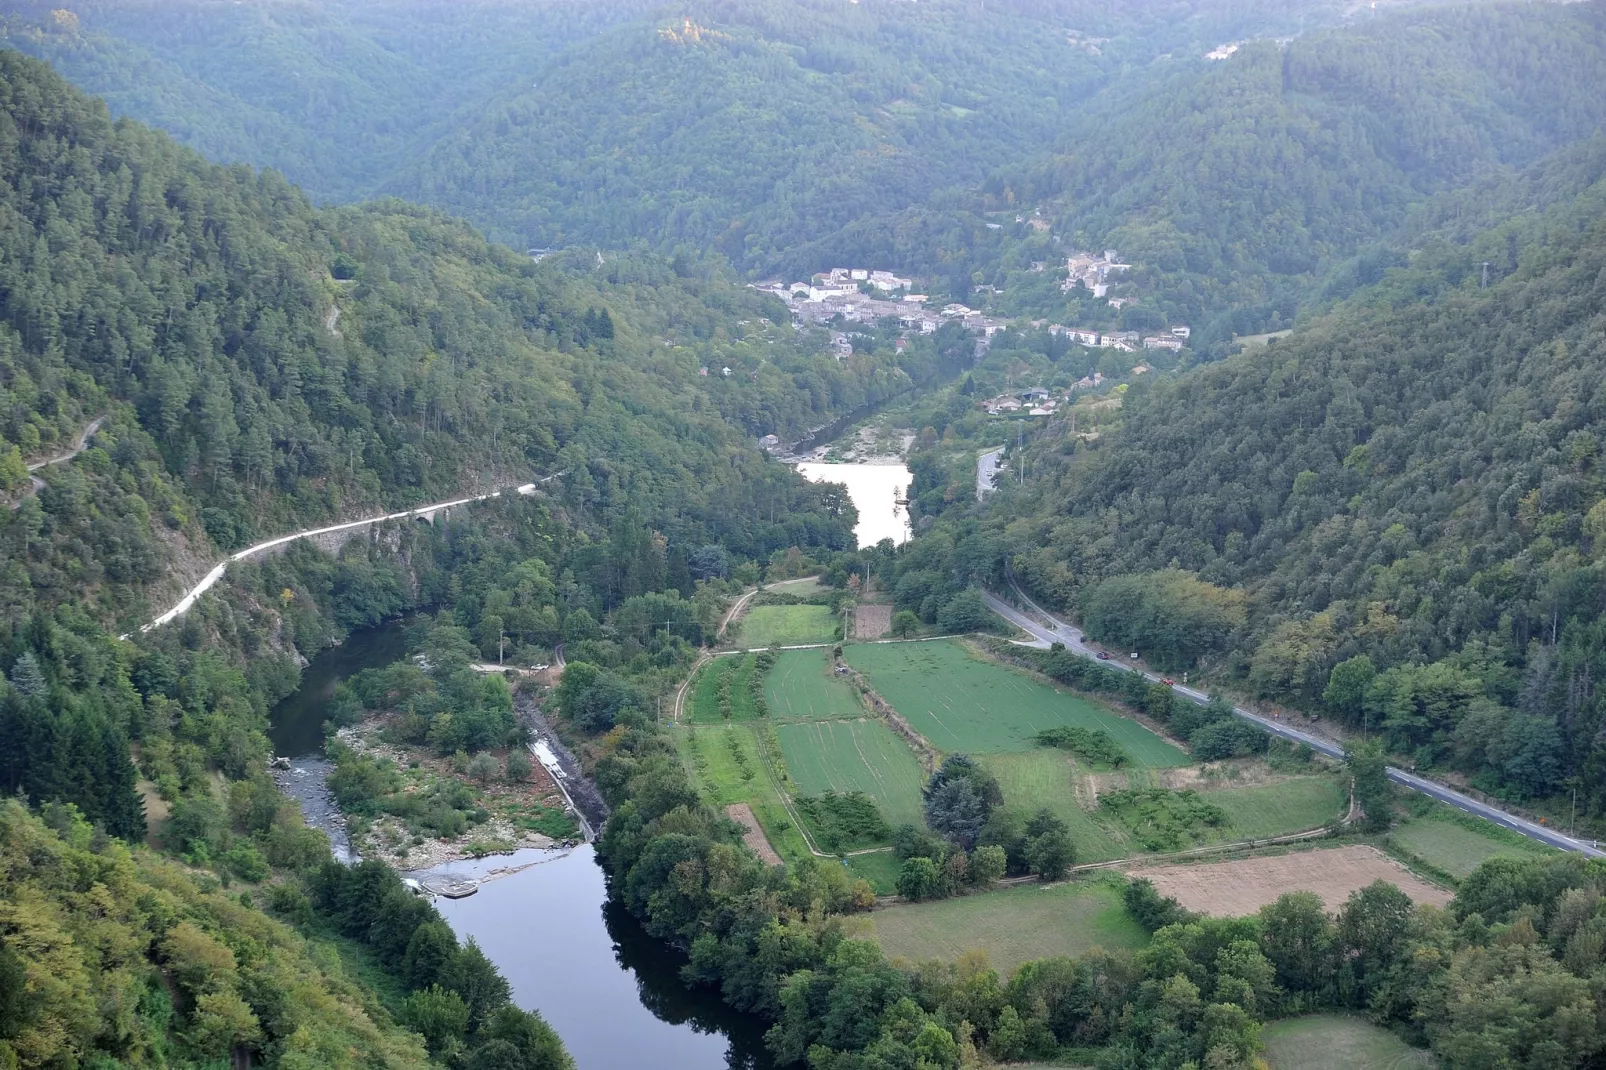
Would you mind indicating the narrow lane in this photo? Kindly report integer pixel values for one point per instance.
(1047, 629)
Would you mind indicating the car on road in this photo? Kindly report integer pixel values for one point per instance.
(1167, 681)
(1104, 655)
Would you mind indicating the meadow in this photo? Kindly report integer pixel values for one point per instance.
(1291, 805)
(727, 767)
(786, 626)
(863, 755)
(1458, 845)
(1013, 925)
(1041, 779)
(1338, 1042)
(801, 687)
(964, 704)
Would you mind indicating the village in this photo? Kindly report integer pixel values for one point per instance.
(844, 296)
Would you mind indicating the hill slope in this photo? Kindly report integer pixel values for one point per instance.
(1412, 479)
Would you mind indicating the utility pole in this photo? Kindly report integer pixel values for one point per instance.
(501, 638)
(1484, 285)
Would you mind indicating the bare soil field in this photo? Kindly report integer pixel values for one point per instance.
(871, 622)
(1233, 889)
(754, 837)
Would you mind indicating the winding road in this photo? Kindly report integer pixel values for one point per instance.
(183, 605)
(1047, 629)
(79, 444)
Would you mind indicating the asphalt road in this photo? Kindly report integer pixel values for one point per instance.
(987, 472)
(1047, 629)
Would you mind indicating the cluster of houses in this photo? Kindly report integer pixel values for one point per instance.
(1173, 338)
(863, 295)
(1093, 271)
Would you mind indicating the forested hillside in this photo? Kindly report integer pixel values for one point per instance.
(283, 364)
(1232, 188)
(1393, 516)
(197, 307)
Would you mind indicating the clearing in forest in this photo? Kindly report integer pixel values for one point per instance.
(965, 704)
(802, 687)
(1013, 925)
(1338, 1042)
(1242, 886)
(864, 755)
(786, 626)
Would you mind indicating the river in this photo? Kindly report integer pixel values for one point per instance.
(876, 490)
(612, 992)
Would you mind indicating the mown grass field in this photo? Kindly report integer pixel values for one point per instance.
(962, 703)
(786, 625)
(1338, 1042)
(1046, 778)
(801, 687)
(1013, 925)
(880, 869)
(845, 756)
(726, 766)
(1291, 805)
(1442, 841)
(703, 703)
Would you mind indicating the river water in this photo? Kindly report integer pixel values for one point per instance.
(876, 490)
(612, 992)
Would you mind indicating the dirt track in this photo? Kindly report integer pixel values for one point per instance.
(1233, 889)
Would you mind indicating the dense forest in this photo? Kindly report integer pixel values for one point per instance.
(1390, 517)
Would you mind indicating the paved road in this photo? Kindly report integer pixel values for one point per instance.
(183, 605)
(987, 472)
(1047, 629)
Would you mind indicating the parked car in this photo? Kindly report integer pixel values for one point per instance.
(1104, 655)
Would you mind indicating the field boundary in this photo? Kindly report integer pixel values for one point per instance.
(926, 752)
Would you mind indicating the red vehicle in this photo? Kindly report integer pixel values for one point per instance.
(1167, 681)
(1104, 655)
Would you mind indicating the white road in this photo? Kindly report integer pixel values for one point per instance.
(1047, 629)
(79, 444)
(987, 472)
(183, 605)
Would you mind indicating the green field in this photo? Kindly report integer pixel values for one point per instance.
(1013, 925)
(962, 703)
(801, 687)
(1445, 843)
(703, 705)
(725, 773)
(1291, 805)
(880, 869)
(1338, 1042)
(1046, 778)
(863, 755)
(786, 625)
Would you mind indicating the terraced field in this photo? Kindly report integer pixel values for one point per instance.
(965, 704)
(861, 755)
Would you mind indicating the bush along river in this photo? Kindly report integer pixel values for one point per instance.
(611, 991)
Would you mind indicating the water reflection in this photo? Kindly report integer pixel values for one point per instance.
(296, 723)
(876, 490)
(611, 991)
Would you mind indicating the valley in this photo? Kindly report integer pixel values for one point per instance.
(562, 534)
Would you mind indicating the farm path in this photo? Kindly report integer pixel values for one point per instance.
(1047, 629)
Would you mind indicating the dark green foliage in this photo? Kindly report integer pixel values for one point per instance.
(1374, 792)
(1093, 745)
(1228, 738)
(958, 798)
(1164, 820)
(844, 822)
(1152, 910)
(1048, 848)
